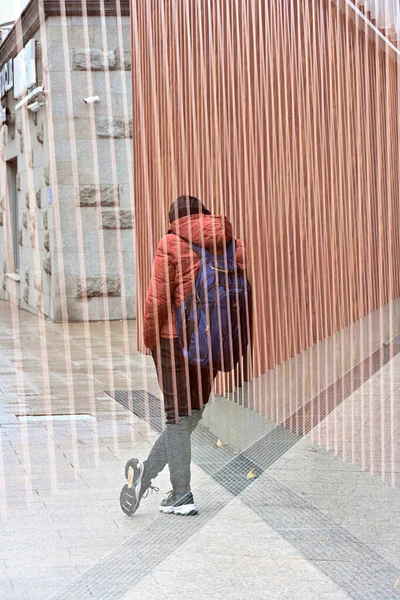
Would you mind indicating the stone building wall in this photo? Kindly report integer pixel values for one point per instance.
(75, 190)
(93, 241)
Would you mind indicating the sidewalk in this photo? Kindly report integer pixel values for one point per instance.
(315, 524)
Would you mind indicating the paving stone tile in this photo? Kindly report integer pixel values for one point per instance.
(371, 580)
(276, 581)
(340, 477)
(39, 589)
(275, 564)
(5, 586)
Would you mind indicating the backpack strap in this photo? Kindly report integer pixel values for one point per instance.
(200, 250)
(231, 250)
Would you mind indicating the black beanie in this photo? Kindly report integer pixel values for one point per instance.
(186, 205)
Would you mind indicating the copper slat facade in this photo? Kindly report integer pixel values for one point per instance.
(284, 116)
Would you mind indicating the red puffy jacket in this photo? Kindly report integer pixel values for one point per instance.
(175, 269)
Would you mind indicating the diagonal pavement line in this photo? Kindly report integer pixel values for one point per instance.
(323, 542)
(112, 577)
(315, 410)
(142, 404)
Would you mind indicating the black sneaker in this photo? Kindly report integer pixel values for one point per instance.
(179, 504)
(135, 489)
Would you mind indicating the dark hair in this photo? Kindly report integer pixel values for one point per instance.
(186, 205)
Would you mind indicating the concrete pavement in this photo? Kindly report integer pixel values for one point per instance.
(320, 521)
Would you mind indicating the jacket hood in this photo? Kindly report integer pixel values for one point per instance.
(210, 231)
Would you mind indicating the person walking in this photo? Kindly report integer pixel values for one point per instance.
(186, 386)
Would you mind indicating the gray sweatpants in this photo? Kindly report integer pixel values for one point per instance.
(174, 447)
(186, 390)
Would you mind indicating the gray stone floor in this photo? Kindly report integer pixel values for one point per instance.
(322, 521)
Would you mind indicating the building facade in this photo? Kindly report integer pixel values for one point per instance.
(66, 181)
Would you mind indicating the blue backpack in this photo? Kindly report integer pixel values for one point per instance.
(213, 323)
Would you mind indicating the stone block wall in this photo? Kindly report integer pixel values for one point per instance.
(75, 179)
(93, 262)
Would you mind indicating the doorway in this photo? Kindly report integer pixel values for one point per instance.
(12, 171)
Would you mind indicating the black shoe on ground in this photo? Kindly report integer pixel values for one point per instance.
(134, 490)
(179, 504)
